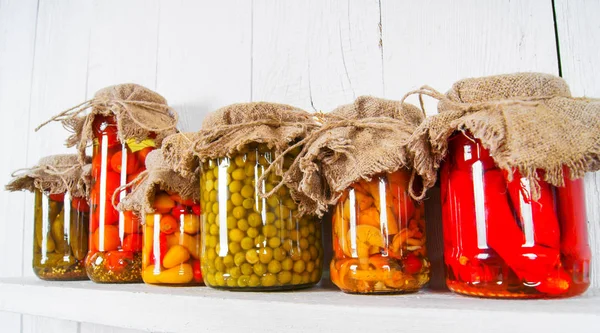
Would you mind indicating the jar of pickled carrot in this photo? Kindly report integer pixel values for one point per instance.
(60, 236)
(250, 242)
(115, 245)
(501, 243)
(379, 238)
(171, 247)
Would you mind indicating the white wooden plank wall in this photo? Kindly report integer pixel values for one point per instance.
(313, 54)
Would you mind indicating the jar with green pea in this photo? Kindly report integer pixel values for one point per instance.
(253, 243)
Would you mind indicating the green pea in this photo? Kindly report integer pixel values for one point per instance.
(296, 278)
(265, 255)
(310, 266)
(303, 243)
(287, 264)
(213, 229)
(237, 199)
(210, 278)
(210, 176)
(314, 253)
(209, 185)
(211, 241)
(269, 230)
(311, 239)
(231, 282)
(247, 243)
(236, 235)
(278, 223)
(273, 201)
(239, 212)
(283, 234)
(304, 231)
(254, 219)
(249, 170)
(312, 228)
(219, 265)
(284, 277)
(211, 254)
(305, 256)
(229, 206)
(260, 240)
(279, 254)
(215, 208)
(239, 258)
(247, 191)
(235, 186)
(259, 268)
(252, 256)
(243, 281)
(252, 232)
(243, 225)
(213, 196)
(288, 244)
(248, 203)
(268, 187)
(235, 272)
(238, 174)
(235, 247)
(274, 267)
(268, 280)
(231, 222)
(315, 276)
(247, 269)
(289, 203)
(228, 261)
(240, 160)
(211, 217)
(275, 242)
(215, 172)
(254, 281)
(270, 217)
(283, 191)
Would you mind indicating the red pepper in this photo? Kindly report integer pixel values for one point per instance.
(468, 150)
(116, 261)
(106, 126)
(197, 271)
(573, 222)
(533, 264)
(543, 220)
(59, 197)
(412, 264)
(132, 242)
(179, 210)
(196, 210)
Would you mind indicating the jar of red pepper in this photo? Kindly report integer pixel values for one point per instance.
(500, 240)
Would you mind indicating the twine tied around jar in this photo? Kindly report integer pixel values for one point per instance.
(525, 120)
(139, 112)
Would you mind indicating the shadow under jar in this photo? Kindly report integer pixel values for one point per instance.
(60, 236)
(251, 243)
(498, 242)
(171, 251)
(115, 247)
(379, 238)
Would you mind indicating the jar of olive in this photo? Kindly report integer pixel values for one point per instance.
(61, 215)
(252, 242)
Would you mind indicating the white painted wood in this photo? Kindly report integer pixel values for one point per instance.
(315, 54)
(439, 42)
(95, 328)
(183, 309)
(16, 59)
(579, 42)
(123, 44)
(204, 56)
(33, 324)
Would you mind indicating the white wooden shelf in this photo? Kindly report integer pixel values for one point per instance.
(320, 309)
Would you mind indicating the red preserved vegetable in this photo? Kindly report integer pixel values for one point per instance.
(498, 241)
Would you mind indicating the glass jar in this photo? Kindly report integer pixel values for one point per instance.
(500, 243)
(171, 247)
(254, 243)
(60, 236)
(115, 246)
(379, 238)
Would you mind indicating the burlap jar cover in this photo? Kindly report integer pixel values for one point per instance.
(157, 176)
(139, 111)
(229, 129)
(528, 121)
(178, 154)
(357, 141)
(54, 174)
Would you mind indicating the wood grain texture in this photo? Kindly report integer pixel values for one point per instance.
(579, 41)
(16, 59)
(204, 56)
(439, 42)
(315, 54)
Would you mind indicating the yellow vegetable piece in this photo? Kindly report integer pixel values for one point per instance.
(176, 255)
(147, 245)
(369, 217)
(373, 189)
(368, 240)
(364, 201)
(177, 275)
(149, 276)
(58, 232)
(191, 223)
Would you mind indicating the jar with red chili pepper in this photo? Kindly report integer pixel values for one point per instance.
(499, 241)
(379, 237)
(171, 250)
(115, 246)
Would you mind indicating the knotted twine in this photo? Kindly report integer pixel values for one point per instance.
(528, 121)
(55, 174)
(157, 176)
(139, 111)
(357, 141)
(228, 130)
(178, 153)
